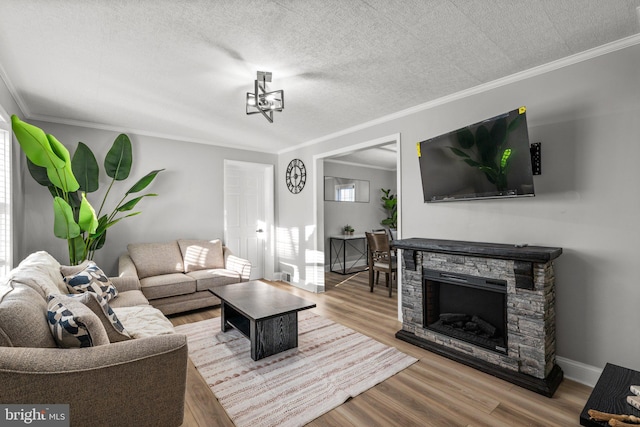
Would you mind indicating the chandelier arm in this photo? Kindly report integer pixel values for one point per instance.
(267, 116)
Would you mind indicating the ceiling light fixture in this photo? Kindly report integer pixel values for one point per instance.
(261, 101)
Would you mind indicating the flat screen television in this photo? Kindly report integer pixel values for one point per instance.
(489, 159)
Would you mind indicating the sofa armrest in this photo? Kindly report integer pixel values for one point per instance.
(125, 283)
(239, 265)
(127, 274)
(138, 382)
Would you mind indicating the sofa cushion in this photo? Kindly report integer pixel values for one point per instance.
(41, 272)
(73, 324)
(167, 285)
(88, 277)
(144, 321)
(115, 331)
(201, 254)
(129, 299)
(23, 317)
(154, 259)
(207, 279)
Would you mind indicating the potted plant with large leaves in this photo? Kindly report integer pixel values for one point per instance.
(390, 205)
(70, 179)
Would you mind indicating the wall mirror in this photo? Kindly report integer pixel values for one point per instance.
(345, 190)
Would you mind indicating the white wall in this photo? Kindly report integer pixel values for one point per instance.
(189, 202)
(587, 116)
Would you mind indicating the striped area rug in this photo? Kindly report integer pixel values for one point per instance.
(331, 364)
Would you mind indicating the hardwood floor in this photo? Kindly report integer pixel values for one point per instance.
(435, 391)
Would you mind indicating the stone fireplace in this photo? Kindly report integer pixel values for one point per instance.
(490, 306)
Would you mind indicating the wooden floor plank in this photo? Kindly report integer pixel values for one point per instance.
(435, 391)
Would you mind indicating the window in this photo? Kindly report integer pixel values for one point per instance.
(5, 195)
(346, 193)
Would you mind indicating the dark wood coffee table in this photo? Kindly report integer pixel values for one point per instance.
(266, 315)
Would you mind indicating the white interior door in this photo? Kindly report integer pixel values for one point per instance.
(248, 206)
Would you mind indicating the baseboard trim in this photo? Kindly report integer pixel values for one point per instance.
(579, 372)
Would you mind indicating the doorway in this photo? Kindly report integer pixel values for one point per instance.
(318, 178)
(249, 214)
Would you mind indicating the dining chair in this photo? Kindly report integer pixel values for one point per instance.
(381, 259)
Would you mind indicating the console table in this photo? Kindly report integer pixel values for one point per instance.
(338, 248)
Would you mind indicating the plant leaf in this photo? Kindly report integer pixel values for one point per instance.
(38, 173)
(489, 172)
(505, 158)
(77, 252)
(117, 163)
(458, 152)
(499, 133)
(85, 168)
(87, 217)
(63, 177)
(99, 242)
(35, 144)
(64, 226)
(486, 148)
(144, 181)
(133, 202)
(465, 138)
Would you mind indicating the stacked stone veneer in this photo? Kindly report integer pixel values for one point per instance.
(530, 313)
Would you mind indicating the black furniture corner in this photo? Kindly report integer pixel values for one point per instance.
(610, 394)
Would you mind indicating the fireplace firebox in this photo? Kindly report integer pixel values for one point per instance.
(469, 308)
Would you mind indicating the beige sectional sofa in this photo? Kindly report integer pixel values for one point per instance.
(175, 276)
(136, 380)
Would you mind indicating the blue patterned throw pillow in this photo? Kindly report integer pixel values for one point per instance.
(115, 330)
(73, 324)
(88, 277)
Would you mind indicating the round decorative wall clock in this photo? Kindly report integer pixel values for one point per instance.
(296, 176)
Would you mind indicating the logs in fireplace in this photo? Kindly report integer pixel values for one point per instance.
(469, 308)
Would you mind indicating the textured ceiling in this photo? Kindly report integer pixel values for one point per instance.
(180, 69)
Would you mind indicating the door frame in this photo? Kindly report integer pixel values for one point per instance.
(318, 199)
(269, 209)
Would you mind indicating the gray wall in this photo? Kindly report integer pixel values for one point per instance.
(587, 116)
(189, 202)
(361, 216)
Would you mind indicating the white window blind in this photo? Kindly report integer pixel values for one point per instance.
(346, 192)
(5, 198)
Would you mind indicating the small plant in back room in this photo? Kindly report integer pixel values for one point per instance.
(70, 179)
(348, 229)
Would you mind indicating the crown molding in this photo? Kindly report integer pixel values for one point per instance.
(13, 92)
(516, 77)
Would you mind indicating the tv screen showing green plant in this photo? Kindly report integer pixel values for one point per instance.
(489, 159)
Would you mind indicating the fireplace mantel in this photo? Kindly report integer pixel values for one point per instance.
(536, 254)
